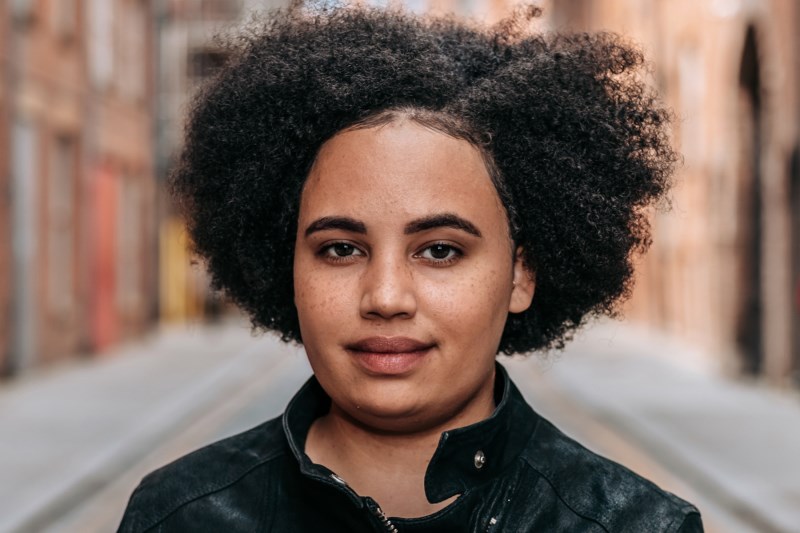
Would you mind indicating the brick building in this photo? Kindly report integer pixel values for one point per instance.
(723, 274)
(83, 121)
(187, 55)
(78, 224)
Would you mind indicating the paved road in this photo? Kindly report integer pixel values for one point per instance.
(253, 401)
(77, 440)
(734, 444)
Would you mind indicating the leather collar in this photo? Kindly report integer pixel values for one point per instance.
(455, 467)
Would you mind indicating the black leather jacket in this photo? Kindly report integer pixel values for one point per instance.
(531, 478)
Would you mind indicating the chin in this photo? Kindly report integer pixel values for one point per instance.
(396, 423)
(385, 415)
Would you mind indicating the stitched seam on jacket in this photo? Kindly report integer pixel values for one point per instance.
(685, 517)
(685, 507)
(558, 494)
(209, 490)
(136, 515)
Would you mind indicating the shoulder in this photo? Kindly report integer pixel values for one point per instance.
(206, 471)
(603, 491)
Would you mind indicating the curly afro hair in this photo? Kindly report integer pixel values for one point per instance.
(576, 143)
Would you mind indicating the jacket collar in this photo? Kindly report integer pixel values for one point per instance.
(456, 465)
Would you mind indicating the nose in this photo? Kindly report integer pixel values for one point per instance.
(388, 289)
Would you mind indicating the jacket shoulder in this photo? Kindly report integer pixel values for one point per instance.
(202, 472)
(604, 491)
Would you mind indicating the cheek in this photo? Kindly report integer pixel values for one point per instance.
(311, 295)
(471, 306)
(322, 299)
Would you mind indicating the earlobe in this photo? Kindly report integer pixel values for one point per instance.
(523, 285)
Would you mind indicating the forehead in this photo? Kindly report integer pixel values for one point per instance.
(399, 168)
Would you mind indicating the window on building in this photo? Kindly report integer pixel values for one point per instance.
(692, 89)
(573, 14)
(467, 7)
(61, 225)
(24, 238)
(64, 18)
(204, 62)
(131, 50)
(130, 244)
(220, 9)
(101, 42)
(22, 10)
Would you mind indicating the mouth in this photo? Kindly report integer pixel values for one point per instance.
(389, 345)
(389, 355)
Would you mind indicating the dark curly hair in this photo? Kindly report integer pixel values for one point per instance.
(575, 141)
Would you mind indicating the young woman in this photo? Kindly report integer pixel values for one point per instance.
(408, 197)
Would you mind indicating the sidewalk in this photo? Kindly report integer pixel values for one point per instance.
(733, 446)
(69, 431)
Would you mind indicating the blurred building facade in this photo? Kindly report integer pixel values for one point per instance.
(187, 55)
(92, 101)
(723, 274)
(78, 258)
(724, 271)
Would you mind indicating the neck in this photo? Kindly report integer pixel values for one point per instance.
(389, 467)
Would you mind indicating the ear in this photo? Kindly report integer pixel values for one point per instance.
(524, 285)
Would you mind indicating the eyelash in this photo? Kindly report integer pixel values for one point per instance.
(457, 254)
(327, 253)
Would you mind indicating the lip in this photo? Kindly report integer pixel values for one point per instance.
(389, 355)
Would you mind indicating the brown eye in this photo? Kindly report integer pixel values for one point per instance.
(440, 253)
(343, 249)
(340, 251)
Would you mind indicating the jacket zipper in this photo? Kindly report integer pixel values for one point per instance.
(384, 520)
(371, 504)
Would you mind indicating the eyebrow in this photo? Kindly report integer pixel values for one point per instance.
(443, 220)
(342, 223)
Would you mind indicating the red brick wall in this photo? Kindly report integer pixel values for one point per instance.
(108, 128)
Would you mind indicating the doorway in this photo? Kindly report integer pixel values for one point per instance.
(749, 239)
(794, 188)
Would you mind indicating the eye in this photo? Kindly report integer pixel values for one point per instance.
(340, 251)
(440, 253)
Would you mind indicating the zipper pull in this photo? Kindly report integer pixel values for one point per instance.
(384, 520)
(373, 506)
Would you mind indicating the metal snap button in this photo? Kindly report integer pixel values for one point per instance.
(480, 459)
(338, 480)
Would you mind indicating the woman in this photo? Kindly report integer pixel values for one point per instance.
(408, 197)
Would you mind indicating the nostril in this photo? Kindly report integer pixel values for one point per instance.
(388, 302)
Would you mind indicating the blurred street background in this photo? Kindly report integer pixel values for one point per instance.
(116, 357)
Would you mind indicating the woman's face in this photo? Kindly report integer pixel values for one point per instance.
(404, 274)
